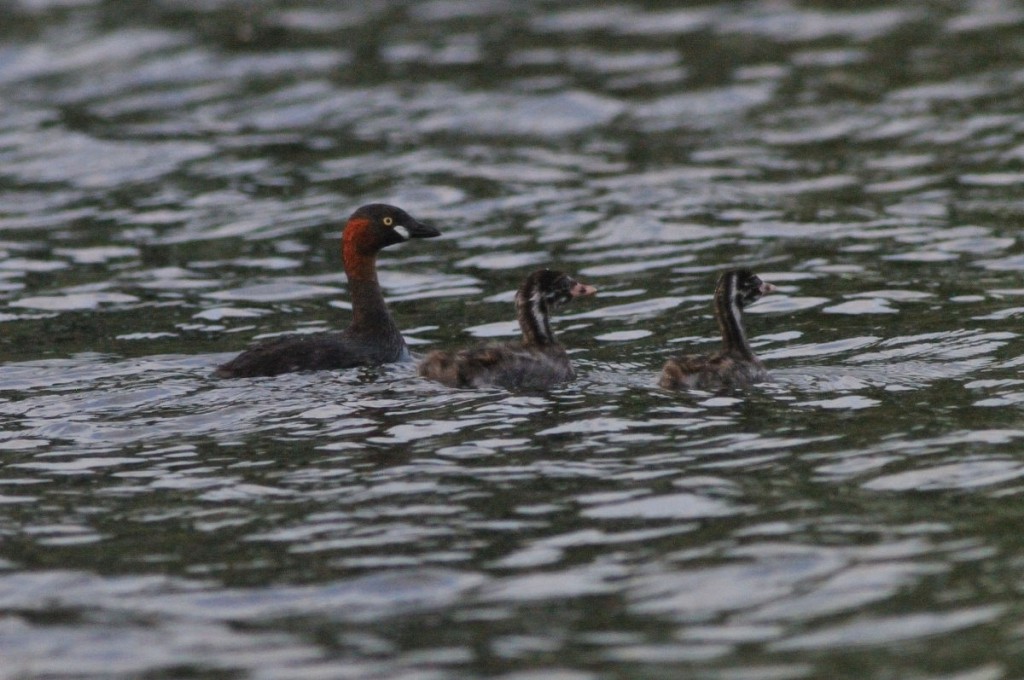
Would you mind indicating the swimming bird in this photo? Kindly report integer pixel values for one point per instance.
(735, 365)
(537, 362)
(372, 337)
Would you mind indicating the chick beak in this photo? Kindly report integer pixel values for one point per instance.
(581, 290)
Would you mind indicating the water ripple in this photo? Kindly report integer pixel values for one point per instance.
(175, 179)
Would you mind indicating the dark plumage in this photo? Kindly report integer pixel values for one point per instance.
(735, 365)
(538, 362)
(373, 337)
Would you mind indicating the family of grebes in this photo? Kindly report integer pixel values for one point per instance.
(537, 362)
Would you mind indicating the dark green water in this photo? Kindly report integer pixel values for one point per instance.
(173, 180)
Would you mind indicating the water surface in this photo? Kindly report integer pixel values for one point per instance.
(173, 180)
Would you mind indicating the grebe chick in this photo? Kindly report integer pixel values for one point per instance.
(536, 363)
(735, 365)
(372, 338)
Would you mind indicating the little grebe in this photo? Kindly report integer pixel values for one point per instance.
(538, 362)
(735, 365)
(373, 337)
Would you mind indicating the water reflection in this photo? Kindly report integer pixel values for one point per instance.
(174, 180)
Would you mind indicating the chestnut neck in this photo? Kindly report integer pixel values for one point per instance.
(532, 312)
(359, 251)
(730, 322)
(370, 313)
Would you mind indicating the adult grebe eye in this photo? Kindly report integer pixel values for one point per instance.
(388, 221)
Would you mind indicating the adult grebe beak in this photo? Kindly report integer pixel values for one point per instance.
(416, 229)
